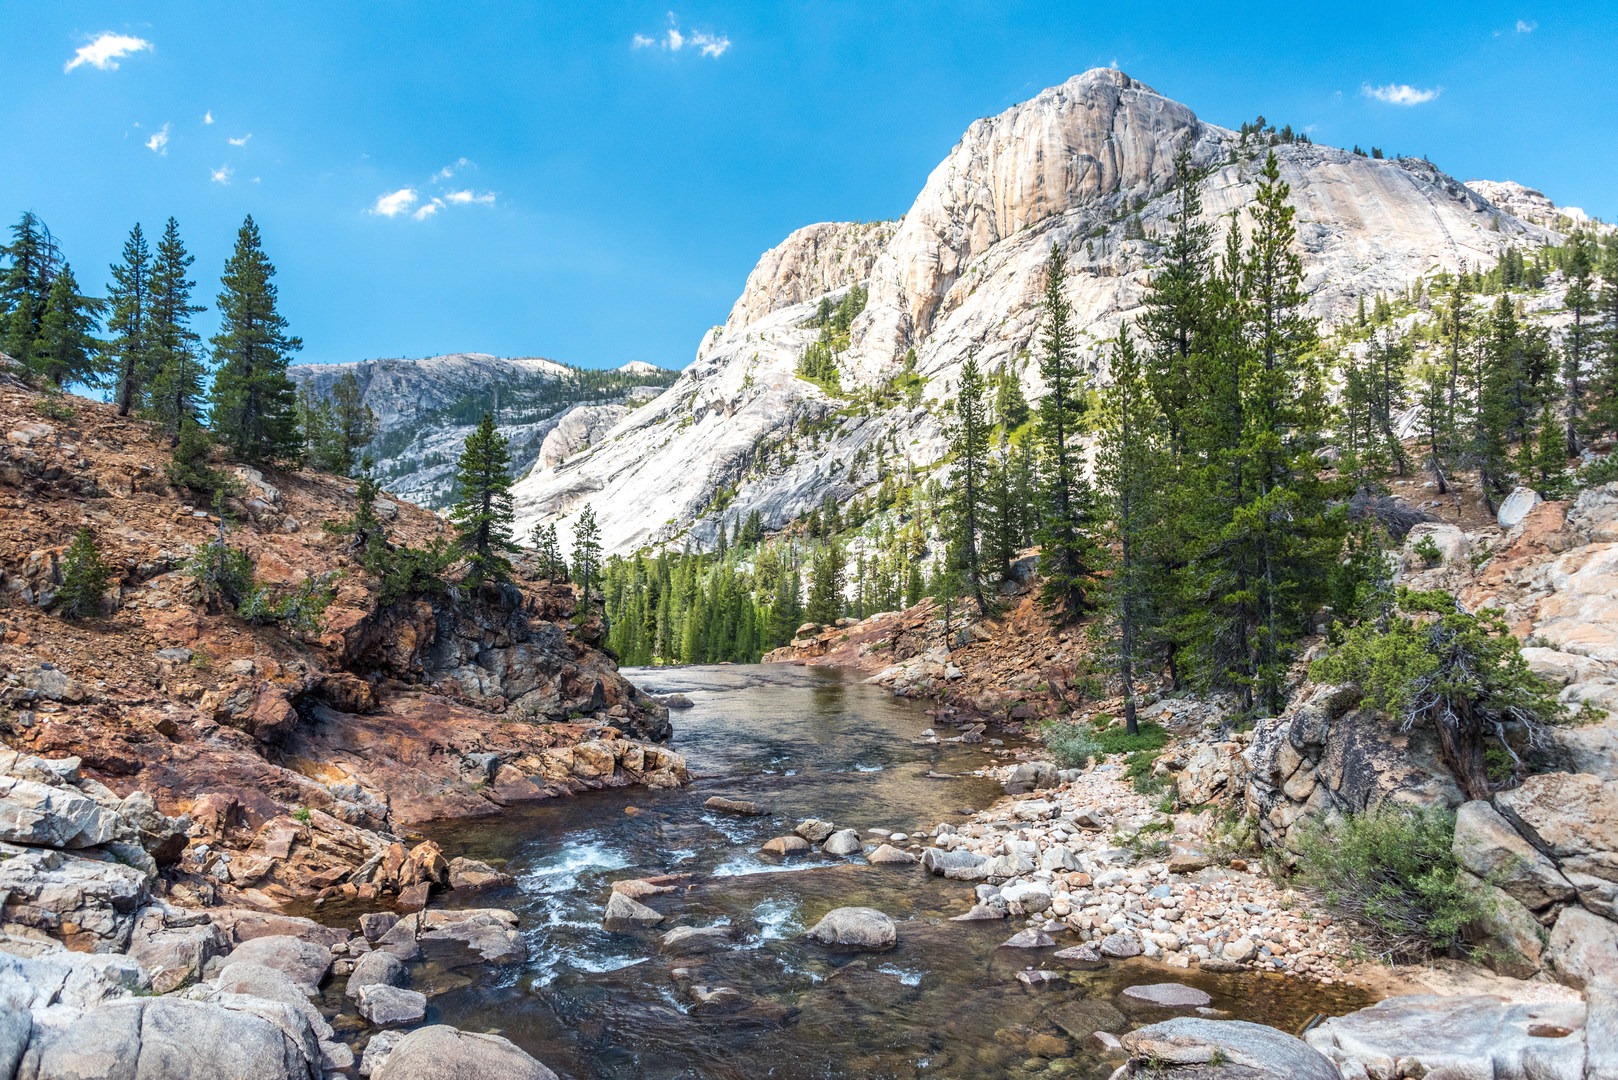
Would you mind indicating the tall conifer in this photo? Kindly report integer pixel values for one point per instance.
(254, 403)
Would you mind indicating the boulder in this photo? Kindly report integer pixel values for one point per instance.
(174, 954)
(1083, 957)
(1571, 816)
(1582, 949)
(1031, 938)
(376, 923)
(490, 933)
(1487, 845)
(842, 842)
(438, 1052)
(41, 815)
(1120, 946)
(1515, 507)
(471, 875)
(784, 846)
(860, 929)
(625, 914)
(86, 903)
(377, 1049)
(1031, 776)
(391, 1006)
(1457, 1036)
(959, 865)
(888, 855)
(814, 830)
(376, 968)
(1227, 1048)
(735, 806)
(305, 963)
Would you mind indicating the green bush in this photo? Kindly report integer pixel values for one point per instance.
(409, 571)
(1392, 871)
(1138, 771)
(1070, 745)
(84, 578)
(224, 574)
(1429, 550)
(1115, 740)
(191, 464)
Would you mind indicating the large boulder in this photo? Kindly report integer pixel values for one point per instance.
(376, 968)
(445, 1053)
(175, 946)
(1487, 845)
(1466, 1036)
(304, 962)
(1572, 816)
(1515, 506)
(1215, 1049)
(41, 815)
(85, 902)
(860, 929)
(625, 914)
(1583, 948)
(1032, 776)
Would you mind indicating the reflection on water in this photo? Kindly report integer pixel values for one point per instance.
(806, 743)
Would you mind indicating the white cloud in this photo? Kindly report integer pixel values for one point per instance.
(104, 52)
(451, 169)
(1400, 94)
(428, 209)
(1526, 26)
(469, 198)
(241, 141)
(674, 40)
(159, 142)
(221, 175)
(395, 203)
(207, 117)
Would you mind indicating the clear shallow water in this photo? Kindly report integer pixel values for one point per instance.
(805, 743)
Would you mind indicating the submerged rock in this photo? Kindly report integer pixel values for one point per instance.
(696, 940)
(1168, 996)
(855, 928)
(391, 1006)
(1214, 1049)
(1031, 938)
(735, 806)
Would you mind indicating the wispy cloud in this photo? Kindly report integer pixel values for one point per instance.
(207, 117)
(1400, 94)
(1526, 26)
(673, 40)
(395, 203)
(105, 50)
(159, 142)
(221, 175)
(451, 169)
(428, 209)
(241, 141)
(469, 198)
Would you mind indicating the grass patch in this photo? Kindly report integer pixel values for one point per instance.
(1114, 740)
(1070, 744)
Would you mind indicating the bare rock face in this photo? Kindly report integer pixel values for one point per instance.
(576, 430)
(1080, 165)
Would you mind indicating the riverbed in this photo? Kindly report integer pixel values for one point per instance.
(804, 743)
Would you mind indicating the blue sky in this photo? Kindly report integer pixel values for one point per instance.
(567, 182)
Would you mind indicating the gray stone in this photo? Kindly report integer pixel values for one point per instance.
(735, 806)
(1509, 938)
(491, 933)
(1031, 938)
(1228, 1048)
(376, 968)
(1031, 776)
(174, 955)
(304, 962)
(1083, 957)
(391, 1006)
(1583, 948)
(784, 846)
(842, 842)
(1571, 816)
(696, 940)
(377, 1049)
(1039, 980)
(959, 865)
(86, 903)
(438, 1052)
(1082, 1018)
(470, 874)
(1515, 507)
(376, 923)
(855, 928)
(41, 815)
(1487, 845)
(814, 830)
(1120, 946)
(1168, 995)
(626, 914)
(888, 855)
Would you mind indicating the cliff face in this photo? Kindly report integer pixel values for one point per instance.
(426, 408)
(1087, 165)
(298, 755)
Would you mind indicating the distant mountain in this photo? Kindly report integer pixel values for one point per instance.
(425, 408)
(1087, 165)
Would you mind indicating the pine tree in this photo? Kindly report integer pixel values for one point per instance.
(1068, 552)
(826, 585)
(174, 369)
(586, 553)
(85, 578)
(552, 566)
(1602, 417)
(65, 351)
(970, 438)
(34, 258)
(1577, 342)
(254, 403)
(1174, 323)
(1010, 406)
(1131, 469)
(482, 512)
(128, 324)
(1494, 383)
(1550, 462)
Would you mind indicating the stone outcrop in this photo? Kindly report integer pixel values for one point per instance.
(1080, 165)
(1222, 1050)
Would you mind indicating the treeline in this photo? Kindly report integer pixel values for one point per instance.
(137, 344)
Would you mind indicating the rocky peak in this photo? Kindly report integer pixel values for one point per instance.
(813, 261)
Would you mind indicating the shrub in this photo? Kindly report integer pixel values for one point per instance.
(409, 571)
(190, 465)
(1070, 745)
(223, 574)
(1429, 550)
(1391, 870)
(84, 578)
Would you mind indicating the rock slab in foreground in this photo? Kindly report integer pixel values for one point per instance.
(439, 1052)
(855, 928)
(1223, 1048)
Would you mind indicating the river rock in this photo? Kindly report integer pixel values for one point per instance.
(1031, 776)
(983, 911)
(626, 914)
(377, 1049)
(785, 846)
(814, 830)
(439, 1052)
(1167, 996)
(1216, 1049)
(1039, 980)
(696, 940)
(376, 968)
(87, 903)
(735, 806)
(376, 923)
(175, 955)
(1084, 957)
(855, 928)
(305, 963)
(470, 874)
(1487, 845)
(391, 1006)
(1031, 938)
(888, 855)
(957, 865)
(1120, 946)
(491, 933)
(1467, 1036)
(842, 842)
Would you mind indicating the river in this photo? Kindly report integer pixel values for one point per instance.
(806, 743)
